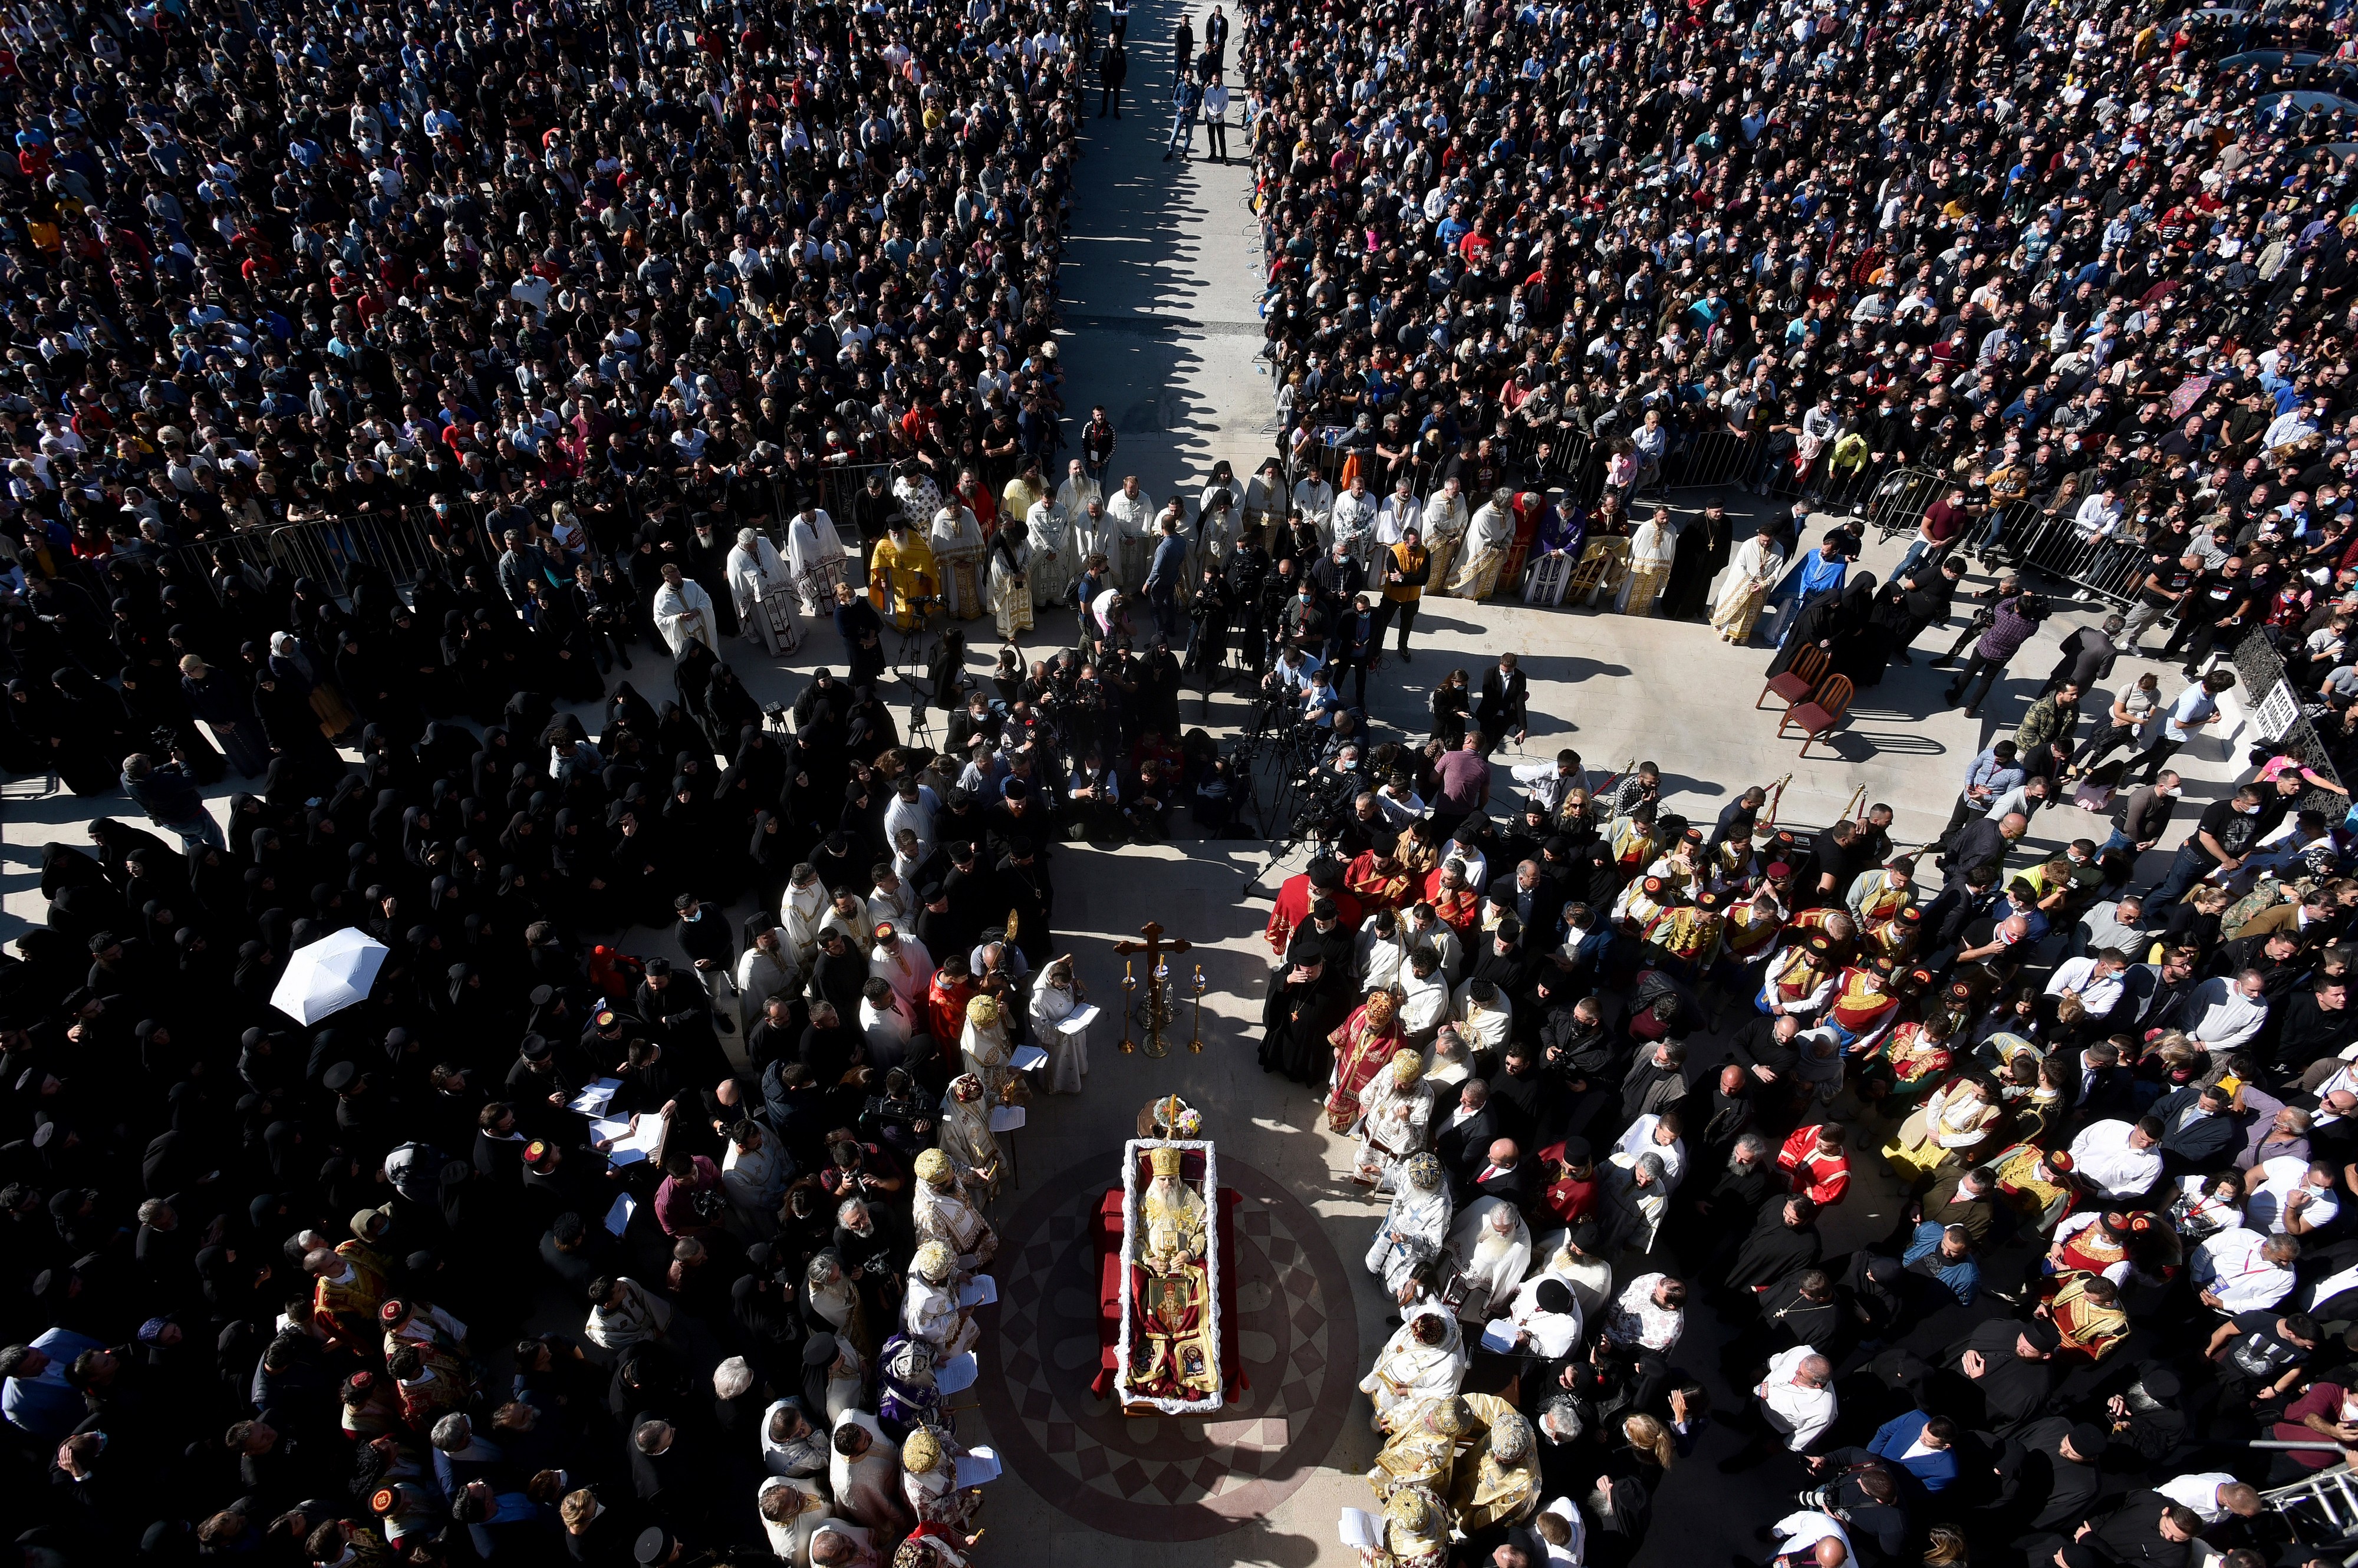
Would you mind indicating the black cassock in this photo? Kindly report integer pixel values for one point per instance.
(1295, 1022)
(1773, 1252)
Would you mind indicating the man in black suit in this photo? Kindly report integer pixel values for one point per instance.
(1531, 895)
(1503, 713)
(2099, 1086)
(2148, 1531)
(2202, 1132)
(1464, 1145)
(1504, 1175)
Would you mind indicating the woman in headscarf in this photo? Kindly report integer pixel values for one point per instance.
(291, 729)
(1363, 1047)
(89, 729)
(301, 669)
(155, 704)
(63, 866)
(727, 708)
(1822, 622)
(1862, 643)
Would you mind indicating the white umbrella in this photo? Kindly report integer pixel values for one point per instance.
(328, 975)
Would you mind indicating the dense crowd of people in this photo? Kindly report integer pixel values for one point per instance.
(541, 1250)
(1608, 1066)
(2084, 274)
(2051, 255)
(651, 329)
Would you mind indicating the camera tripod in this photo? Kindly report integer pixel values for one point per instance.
(912, 652)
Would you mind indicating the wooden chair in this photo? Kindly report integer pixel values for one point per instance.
(1797, 680)
(1822, 714)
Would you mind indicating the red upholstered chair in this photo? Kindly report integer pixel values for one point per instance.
(1797, 680)
(1822, 714)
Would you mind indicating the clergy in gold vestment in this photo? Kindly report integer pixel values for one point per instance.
(1171, 1351)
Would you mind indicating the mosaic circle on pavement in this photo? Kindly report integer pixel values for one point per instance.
(1160, 1478)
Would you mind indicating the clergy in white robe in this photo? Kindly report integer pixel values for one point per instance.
(939, 1210)
(1488, 536)
(763, 588)
(929, 1309)
(1007, 577)
(1425, 1358)
(1073, 496)
(1054, 565)
(1315, 498)
(800, 913)
(1216, 534)
(902, 962)
(848, 914)
(1265, 501)
(1095, 532)
(1493, 1247)
(1352, 522)
(1132, 515)
(1395, 1108)
(956, 539)
(1552, 1322)
(1055, 997)
(1416, 1226)
(984, 1043)
(791, 1515)
(866, 1485)
(764, 969)
(793, 1445)
(1744, 587)
(682, 612)
(965, 1137)
(1445, 518)
(816, 555)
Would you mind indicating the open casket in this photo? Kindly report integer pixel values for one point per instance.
(1168, 1338)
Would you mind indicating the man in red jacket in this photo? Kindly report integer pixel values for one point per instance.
(1818, 1163)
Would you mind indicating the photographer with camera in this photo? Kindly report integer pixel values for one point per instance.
(168, 795)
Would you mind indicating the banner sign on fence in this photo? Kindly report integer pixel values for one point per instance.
(2276, 712)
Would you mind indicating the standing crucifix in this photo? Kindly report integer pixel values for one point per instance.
(1157, 1013)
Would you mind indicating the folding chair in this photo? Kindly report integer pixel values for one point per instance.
(1821, 714)
(1797, 680)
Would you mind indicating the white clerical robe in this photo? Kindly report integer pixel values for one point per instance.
(1493, 1262)
(1415, 1227)
(1069, 1049)
(683, 615)
(816, 555)
(1053, 563)
(930, 1312)
(1132, 516)
(799, 916)
(1409, 1372)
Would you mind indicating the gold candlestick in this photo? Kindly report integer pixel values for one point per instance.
(1157, 1009)
(1129, 988)
(1196, 1045)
